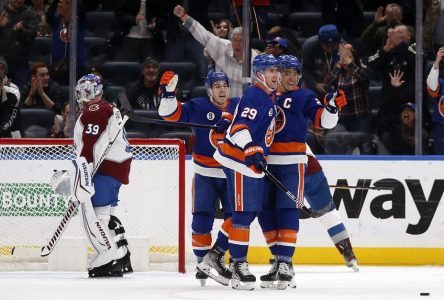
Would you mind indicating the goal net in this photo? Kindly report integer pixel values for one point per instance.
(152, 205)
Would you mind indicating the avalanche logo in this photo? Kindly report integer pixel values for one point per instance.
(280, 119)
(211, 116)
(93, 107)
(215, 138)
(441, 106)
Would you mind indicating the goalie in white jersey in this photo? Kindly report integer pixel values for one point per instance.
(97, 128)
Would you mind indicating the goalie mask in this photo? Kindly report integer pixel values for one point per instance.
(88, 87)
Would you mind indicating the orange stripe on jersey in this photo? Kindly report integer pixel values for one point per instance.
(288, 147)
(205, 160)
(241, 235)
(317, 122)
(226, 227)
(229, 150)
(433, 94)
(238, 192)
(301, 182)
(237, 128)
(271, 236)
(287, 236)
(176, 115)
(201, 240)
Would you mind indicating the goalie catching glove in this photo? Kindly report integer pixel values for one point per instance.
(335, 100)
(254, 157)
(168, 83)
(78, 184)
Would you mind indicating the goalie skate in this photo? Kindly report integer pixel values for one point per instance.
(214, 267)
(242, 278)
(111, 269)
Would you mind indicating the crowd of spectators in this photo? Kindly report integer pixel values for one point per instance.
(365, 48)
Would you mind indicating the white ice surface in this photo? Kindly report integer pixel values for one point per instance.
(314, 282)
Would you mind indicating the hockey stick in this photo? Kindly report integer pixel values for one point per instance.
(134, 117)
(46, 250)
(139, 119)
(284, 189)
(349, 187)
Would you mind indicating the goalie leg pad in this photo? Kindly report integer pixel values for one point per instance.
(118, 233)
(95, 221)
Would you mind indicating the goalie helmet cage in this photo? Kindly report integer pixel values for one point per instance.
(30, 211)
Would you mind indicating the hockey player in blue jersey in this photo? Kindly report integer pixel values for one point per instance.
(209, 182)
(242, 154)
(287, 160)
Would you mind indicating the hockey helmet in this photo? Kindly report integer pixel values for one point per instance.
(289, 62)
(212, 78)
(88, 87)
(264, 61)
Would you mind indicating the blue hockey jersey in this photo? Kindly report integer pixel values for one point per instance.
(295, 108)
(202, 111)
(254, 121)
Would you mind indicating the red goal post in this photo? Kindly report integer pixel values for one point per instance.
(30, 211)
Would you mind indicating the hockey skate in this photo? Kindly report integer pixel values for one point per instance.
(284, 276)
(346, 250)
(111, 269)
(268, 280)
(242, 278)
(202, 277)
(213, 266)
(271, 279)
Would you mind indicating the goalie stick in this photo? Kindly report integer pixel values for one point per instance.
(46, 250)
(285, 189)
(139, 119)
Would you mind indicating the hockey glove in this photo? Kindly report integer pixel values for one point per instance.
(254, 158)
(168, 83)
(224, 122)
(335, 100)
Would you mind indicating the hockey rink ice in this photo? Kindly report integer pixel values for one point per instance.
(313, 282)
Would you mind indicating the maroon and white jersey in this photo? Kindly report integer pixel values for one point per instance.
(95, 128)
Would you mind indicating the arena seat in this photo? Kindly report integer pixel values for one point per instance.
(121, 73)
(41, 50)
(306, 23)
(198, 91)
(258, 44)
(36, 122)
(97, 51)
(100, 24)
